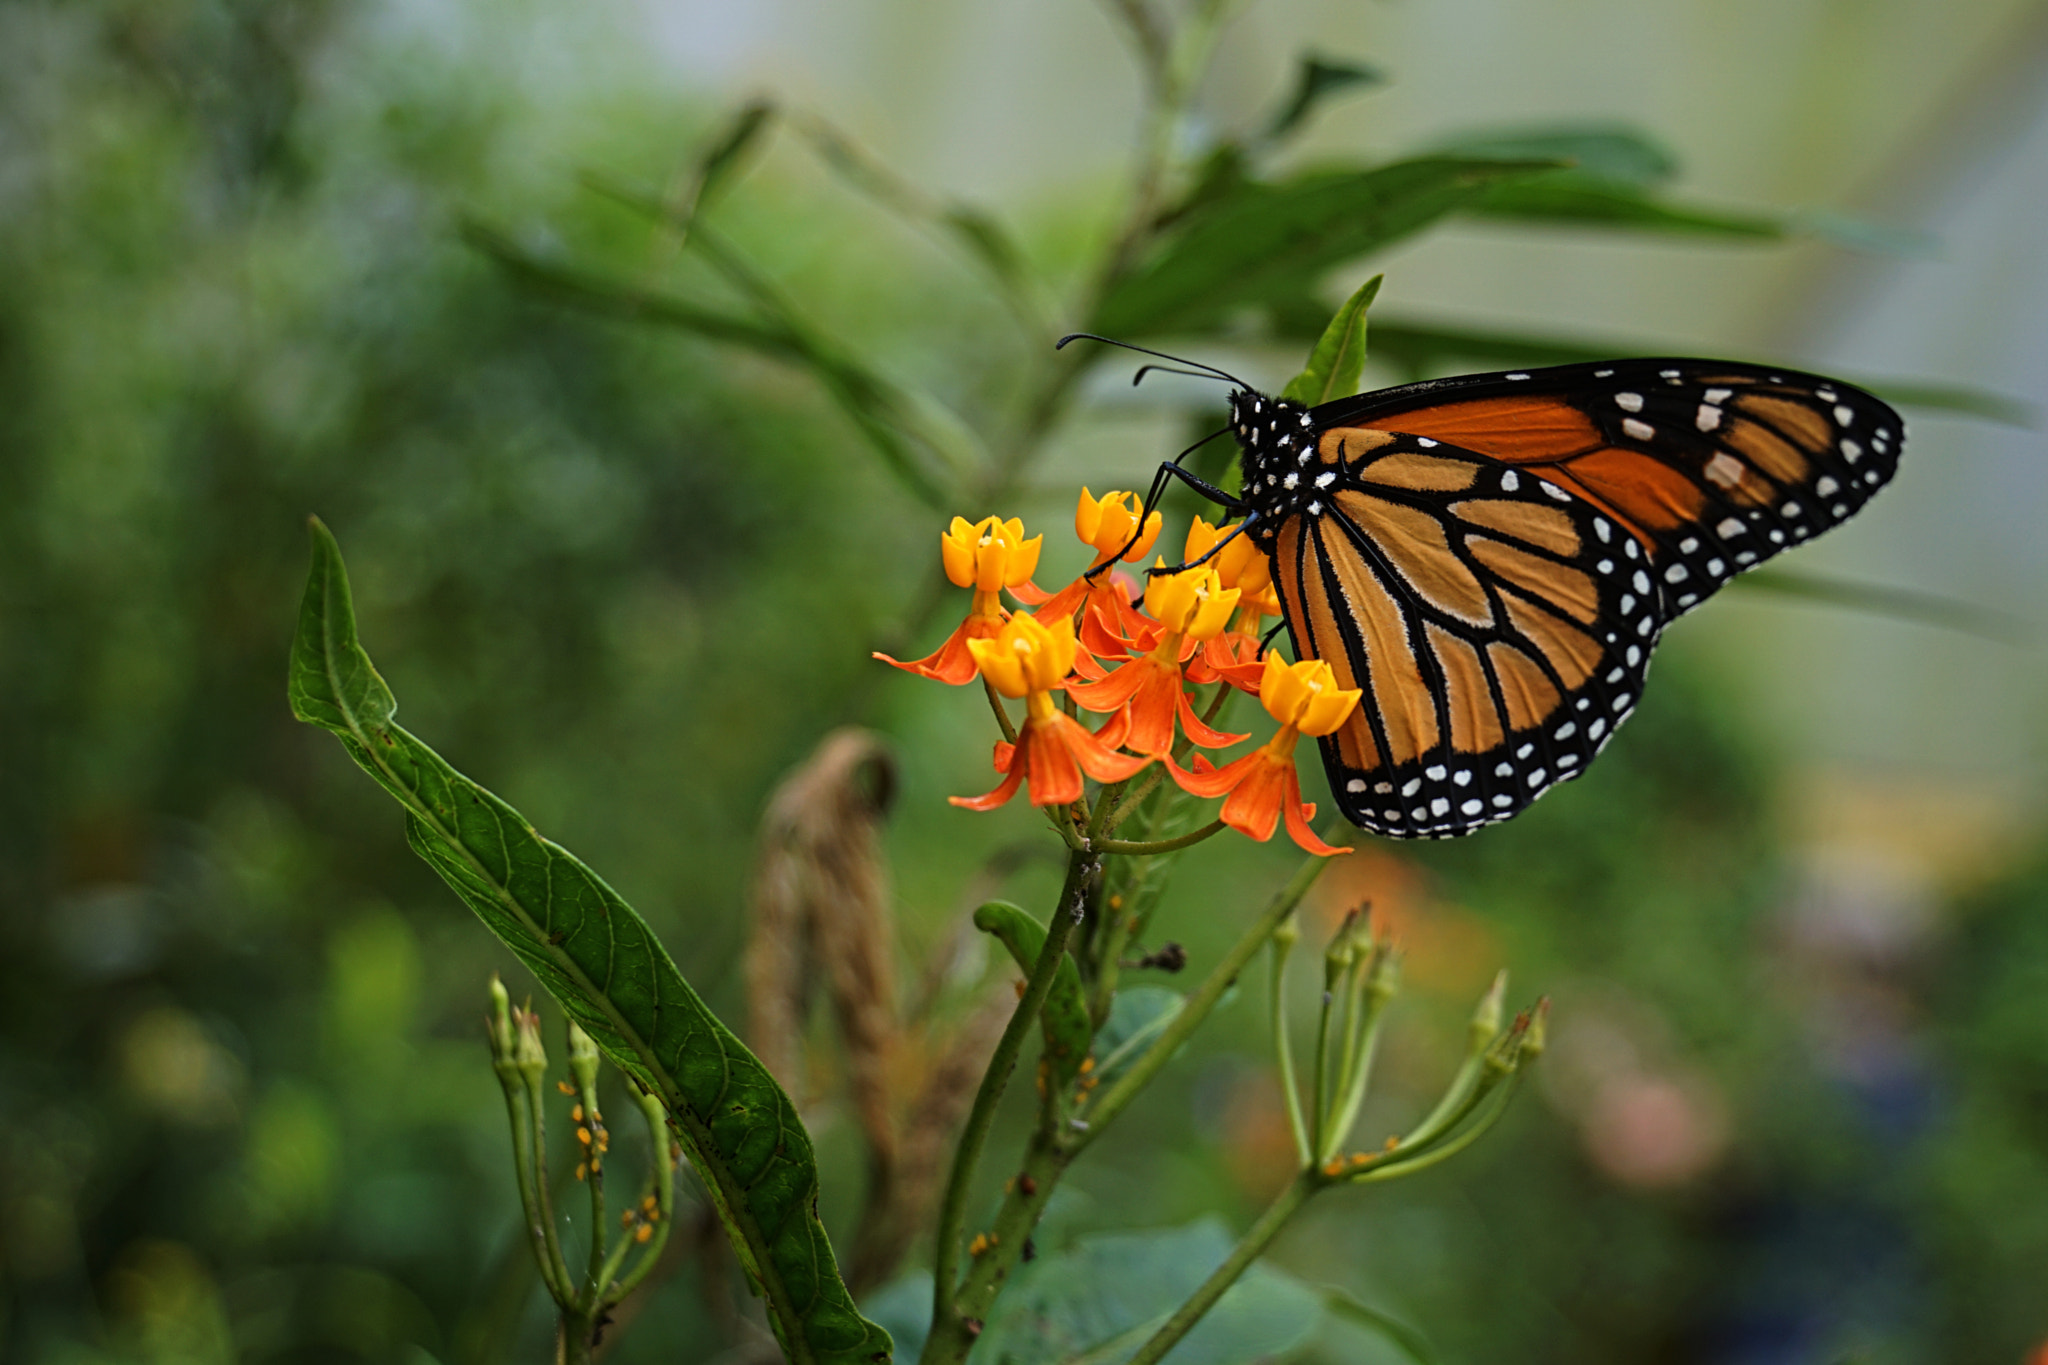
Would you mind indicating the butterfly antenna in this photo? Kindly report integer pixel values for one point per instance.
(1147, 350)
(1144, 370)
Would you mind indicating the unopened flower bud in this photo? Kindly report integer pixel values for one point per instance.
(498, 1025)
(1486, 1018)
(1532, 1046)
(583, 1058)
(1288, 933)
(531, 1055)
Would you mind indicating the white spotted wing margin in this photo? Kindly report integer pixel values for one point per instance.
(1500, 628)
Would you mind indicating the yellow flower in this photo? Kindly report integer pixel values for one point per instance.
(1304, 697)
(1241, 564)
(1192, 604)
(1107, 523)
(1026, 658)
(989, 555)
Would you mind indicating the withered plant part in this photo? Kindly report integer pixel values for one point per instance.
(821, 914)
(822, 919)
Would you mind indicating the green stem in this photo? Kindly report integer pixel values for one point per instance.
(530, 1173)
(1319, 1090)
(1358, 1072)
(946, 1319)
(1283, 1048)
(1477, 1129)
(1137, 849)
(663, 1175)
(554, 1263)
(1113, 1100)
(1255, 1241)
(572, 1338)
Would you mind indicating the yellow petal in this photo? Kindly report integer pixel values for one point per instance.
(956, 552)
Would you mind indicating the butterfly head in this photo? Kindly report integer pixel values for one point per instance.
(1278, 438)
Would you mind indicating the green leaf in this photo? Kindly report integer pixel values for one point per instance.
(1339, 355)
(724, 154)
(1137, 1016)
(598, 958)
(1068, 1029)
(1579, 198)
(1607, 151)
(1266, 242)
(1408, 1340)
(880, 411)
(1316, 80)
(1097, 1301)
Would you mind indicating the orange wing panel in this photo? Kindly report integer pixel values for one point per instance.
(1640, 490)
(1519, 430)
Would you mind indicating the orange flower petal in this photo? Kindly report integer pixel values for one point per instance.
(952, 662)
(1200, 732)
(1299, 813)
(1101, 762)
(1000, 796)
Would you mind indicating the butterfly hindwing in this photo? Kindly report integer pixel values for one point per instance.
(1499, 625)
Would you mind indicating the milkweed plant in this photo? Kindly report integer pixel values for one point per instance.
(1114, 704)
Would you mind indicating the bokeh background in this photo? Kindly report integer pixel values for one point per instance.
(1795, 923)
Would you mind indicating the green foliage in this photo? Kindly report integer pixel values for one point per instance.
(598, 958)
(1339, 355)
(1100, 1298)
(1266, 242)
(1069, 1032)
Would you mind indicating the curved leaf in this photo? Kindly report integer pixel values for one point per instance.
(1068, 1029)
(612, 976)
(1264, 242)
(1339, 356)
(1315, 81)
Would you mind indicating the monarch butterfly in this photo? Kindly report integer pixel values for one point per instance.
(1493, 557)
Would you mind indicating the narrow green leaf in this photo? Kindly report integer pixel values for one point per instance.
(1608, 151)
(983, 238)
(881, 412)
(1408, 1340)
(1339, 355)
(1579, 198)
(1316, 80)
(724, 154)
(1266, 242)
(1068, 1029)
(598, 958)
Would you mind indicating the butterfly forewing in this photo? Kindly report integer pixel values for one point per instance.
(1715, 466)
(1498, 624)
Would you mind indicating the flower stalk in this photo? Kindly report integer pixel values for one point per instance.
(583, 1303)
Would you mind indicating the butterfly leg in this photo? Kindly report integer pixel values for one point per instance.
(1210, 554)
(1172, 469)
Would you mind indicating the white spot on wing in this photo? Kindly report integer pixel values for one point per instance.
(1709, 417)
(1641, 431)
(1629, 402)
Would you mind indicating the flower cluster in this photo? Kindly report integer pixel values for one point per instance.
(1133, 661)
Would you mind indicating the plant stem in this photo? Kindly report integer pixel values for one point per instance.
(947, 1321)
(1139, 849)
(1112, 1101)
(1283, 1047)
(1248, 1250)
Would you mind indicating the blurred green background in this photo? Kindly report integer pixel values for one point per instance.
(1795, 923)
